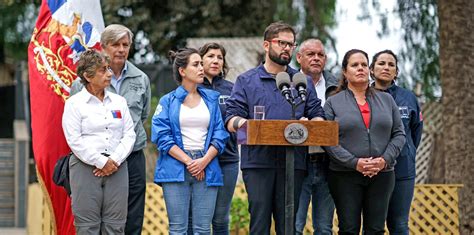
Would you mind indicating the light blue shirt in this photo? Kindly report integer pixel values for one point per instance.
(117, 82)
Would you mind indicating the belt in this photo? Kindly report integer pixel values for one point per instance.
(318, 157)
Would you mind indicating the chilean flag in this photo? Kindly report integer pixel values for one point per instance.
(64, 29)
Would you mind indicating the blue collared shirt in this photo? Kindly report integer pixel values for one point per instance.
(258, 87)
(116, 82)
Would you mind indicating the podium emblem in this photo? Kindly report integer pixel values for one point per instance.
(296, 133)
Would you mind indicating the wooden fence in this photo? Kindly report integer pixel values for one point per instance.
(432, 113)
(434, 210)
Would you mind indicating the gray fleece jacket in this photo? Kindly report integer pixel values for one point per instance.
(385, 136)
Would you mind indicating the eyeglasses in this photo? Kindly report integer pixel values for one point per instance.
(284, 44)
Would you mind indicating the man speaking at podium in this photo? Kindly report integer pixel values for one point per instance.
(263, 167)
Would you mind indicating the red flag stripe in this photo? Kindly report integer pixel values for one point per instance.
(51, 72)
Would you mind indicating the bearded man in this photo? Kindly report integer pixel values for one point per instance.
(263, 167)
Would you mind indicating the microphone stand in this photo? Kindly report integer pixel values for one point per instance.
(294, 105)
(290, 177)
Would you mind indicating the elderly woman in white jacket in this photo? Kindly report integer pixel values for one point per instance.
(99, 130)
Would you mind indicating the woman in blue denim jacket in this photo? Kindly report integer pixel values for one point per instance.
(188, 130)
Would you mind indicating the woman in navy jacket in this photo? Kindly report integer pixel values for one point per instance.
(188, 130)
(215, 69)
(384, 70)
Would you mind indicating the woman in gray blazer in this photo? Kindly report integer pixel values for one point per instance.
(371, 135)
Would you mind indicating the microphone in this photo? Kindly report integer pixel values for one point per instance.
(300, 82)
(283, 82)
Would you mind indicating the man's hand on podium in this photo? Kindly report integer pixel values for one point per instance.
(313, 119)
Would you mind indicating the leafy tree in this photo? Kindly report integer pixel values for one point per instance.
(451, 69)
(163, 25)
(318, 20)
(419, 26)
(16, 24)
(167, 24)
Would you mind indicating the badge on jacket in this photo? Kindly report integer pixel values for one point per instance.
(223, 98)
(158, 110)
(404, 113)
(117, 114)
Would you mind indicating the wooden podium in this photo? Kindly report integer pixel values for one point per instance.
(289, 133)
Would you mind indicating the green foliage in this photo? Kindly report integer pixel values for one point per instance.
(167, 24)
(420, 30)
(154, 102)
(239, 215)
(421, 36)
(16, 25)
(285, 12)
(319, 19)
(160, 26)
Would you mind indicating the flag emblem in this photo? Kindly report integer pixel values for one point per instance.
(116, 114)
(63, 30)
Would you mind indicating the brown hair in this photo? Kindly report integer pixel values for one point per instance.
(180, 59)
(212, 45)
(345, 62)
(275, 28)
(88, 64)
(376, 56)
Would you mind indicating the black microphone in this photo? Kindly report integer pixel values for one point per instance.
(300, 82)
(283, 83)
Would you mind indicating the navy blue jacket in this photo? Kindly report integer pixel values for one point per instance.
(410, 112)
(166, 133)
(258, 87)
(224, 87)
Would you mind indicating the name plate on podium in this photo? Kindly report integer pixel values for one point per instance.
(298, 133)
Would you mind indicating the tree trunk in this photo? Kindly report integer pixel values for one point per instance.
(437, 167)
(456, 19)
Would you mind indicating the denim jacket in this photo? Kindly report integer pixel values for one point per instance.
(166, 132)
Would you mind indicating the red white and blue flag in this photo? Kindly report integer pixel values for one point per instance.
(117, 114)
(64, 29)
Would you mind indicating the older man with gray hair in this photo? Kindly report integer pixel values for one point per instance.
(312, 58)
(134, 85)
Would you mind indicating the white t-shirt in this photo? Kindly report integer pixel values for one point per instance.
(194, 124)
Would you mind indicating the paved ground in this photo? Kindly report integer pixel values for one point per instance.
(13, 231)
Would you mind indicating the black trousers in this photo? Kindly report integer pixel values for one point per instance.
(266, 196)
(354, 193)
(136, 192)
